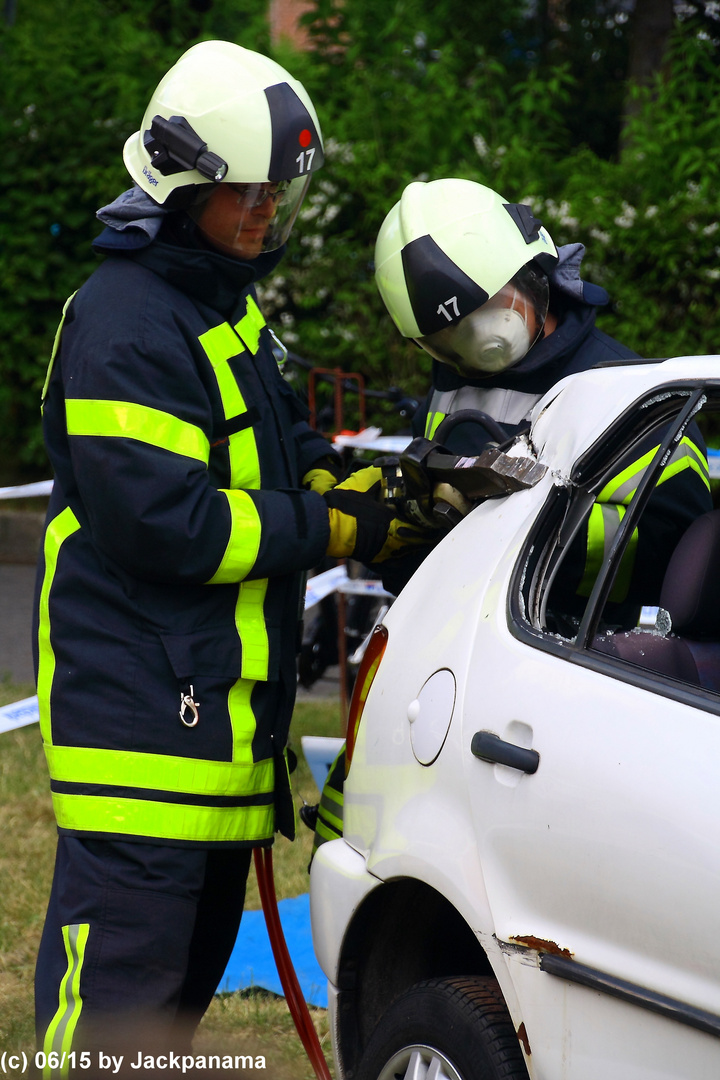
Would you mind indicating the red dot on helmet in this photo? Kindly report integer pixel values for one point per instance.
(305, 137)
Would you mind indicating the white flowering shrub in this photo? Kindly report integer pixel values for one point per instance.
(404, 92)
(650, 219)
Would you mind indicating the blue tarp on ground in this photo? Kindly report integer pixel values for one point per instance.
(252, 962)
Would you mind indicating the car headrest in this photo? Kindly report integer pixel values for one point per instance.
(691, 587)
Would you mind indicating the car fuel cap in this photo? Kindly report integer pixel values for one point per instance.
(430, 715)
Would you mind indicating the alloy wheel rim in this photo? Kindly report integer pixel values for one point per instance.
(418, 1062)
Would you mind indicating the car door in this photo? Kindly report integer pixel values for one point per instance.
(595, 794)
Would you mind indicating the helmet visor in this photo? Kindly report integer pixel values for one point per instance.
(498, 333)
(244, 220)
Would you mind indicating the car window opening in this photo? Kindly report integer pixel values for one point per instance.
(659, 609)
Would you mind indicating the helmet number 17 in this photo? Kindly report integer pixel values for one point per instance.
(443, 308)
(304, 159)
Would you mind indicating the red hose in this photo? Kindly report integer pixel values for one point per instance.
(293, 994)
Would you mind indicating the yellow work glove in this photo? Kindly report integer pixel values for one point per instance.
(322, 477)
(367, 480)
(362, 527)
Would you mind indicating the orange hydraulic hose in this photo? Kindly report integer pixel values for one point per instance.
(293, 994)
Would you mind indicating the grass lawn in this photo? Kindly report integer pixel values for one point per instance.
(253, 1022)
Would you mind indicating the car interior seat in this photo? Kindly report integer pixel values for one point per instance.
(691, 595)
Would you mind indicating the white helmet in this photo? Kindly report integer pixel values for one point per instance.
(226, 114)
(463, 272)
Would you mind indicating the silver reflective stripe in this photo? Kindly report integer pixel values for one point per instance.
(603, 523)
(505, 406)
(60, 1032)
(612, 516)
(623, 486)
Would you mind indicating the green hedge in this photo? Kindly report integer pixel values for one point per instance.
(75, 83)
(394, 108)
(650, 220)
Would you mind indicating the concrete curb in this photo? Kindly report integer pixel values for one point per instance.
(20, 535)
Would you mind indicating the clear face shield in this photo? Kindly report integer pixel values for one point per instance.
(499, 333)
(244, 220)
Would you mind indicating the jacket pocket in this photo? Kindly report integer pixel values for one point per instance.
(211, 652)
(217, 652)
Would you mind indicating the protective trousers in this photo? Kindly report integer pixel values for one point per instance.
(136, 940)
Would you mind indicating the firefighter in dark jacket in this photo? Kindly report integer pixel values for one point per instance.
(478, 283)
(190, 494)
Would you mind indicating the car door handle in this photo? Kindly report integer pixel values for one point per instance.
(489, 747)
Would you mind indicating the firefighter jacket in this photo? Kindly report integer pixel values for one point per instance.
(508, 398)
(169, 586)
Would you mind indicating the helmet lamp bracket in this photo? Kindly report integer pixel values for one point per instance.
(525, 220)
(175, 147)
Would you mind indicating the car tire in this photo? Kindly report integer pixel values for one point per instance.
(449, 1029)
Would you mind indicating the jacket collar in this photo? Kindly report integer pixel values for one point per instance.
(177, 256)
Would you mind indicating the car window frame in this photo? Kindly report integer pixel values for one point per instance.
(674, 404)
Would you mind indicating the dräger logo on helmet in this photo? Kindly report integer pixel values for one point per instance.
(151, 178)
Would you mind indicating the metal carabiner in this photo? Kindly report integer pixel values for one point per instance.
(187, 701)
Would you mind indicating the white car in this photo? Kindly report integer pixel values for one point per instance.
(529, 879)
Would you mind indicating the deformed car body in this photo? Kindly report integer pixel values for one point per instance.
(529, 879)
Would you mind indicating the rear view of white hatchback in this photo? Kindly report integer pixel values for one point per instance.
(528, 882)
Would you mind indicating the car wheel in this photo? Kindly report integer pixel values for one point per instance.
(445, 1029)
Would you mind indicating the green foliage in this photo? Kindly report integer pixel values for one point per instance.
(649, 219)
(73, 89)
(405, 90)
(397, 104)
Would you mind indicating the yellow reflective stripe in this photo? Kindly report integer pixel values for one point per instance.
(332, 792)
(615, 496)
(56, 346)
(159, 772)
(250, 325)
(432, 423)
(330, 817)
(221, 343)
(603, 523)
(252, 629)
(242, 720)
(59, 529)
(244, 542)
(167, 821)
(127, 419)
(621, 585)
(59, 1035)
(685, 456)
(333, 787)
(289, 788)
(232, 399)
(325, 832)
(595, 549)
(628, 480)
(244, 460)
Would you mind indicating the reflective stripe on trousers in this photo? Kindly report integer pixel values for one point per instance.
(59, 1035)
